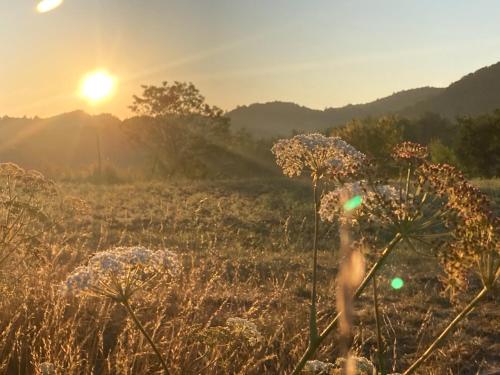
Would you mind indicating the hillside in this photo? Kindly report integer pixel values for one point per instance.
(474, 94)
(70, 139)
(281, 119)
(66, 140)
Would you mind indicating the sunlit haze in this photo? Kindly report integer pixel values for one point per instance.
(97, 86)
(317, 54)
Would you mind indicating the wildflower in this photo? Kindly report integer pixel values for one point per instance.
(318, 368)
(410, 151)
(332, 203)
(120, 270)
(318, 155)
(356, 365)
(247, 329)
(476, 228)
(47, 368)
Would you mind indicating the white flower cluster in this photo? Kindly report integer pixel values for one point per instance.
(370, 197)
(246, 329)
(47, 368)
(318, 368)
(357, 365)
(318, 154)
(120, 262)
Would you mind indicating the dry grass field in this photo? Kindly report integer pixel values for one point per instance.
(244, 252)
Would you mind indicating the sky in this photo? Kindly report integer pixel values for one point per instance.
(315, 53)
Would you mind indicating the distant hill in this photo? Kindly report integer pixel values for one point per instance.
(474, 94)
(70, 139)
(66, 140)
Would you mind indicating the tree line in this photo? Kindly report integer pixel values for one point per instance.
(183, 135)
(471, 143)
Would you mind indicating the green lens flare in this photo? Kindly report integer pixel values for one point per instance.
(397, 283)
(352, 203)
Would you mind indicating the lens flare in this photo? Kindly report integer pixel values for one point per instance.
(397, 283)
(97, 86)
(352, 203)
(48, 5)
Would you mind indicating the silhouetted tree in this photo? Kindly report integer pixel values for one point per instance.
(376, 137)
(176, 126)
(478, 146)
(440, 153)
(430, 126)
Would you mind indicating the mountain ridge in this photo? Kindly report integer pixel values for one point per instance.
(71, 138)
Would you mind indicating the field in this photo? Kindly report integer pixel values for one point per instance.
(245, 247)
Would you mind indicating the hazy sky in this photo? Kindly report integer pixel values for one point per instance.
(315, 53)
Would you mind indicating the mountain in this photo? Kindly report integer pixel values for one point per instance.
(71, 139)
(281, 119)
(474, 94)
(67, 140)
(276, 119)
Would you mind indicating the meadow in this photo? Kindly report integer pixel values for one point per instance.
(244, 249)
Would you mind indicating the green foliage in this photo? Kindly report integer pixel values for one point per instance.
(429, 126)
(440, 153)
(375, 137)
(478, 147)
(177, 128)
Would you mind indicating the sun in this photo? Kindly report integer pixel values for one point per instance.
(48, 5)
(97, 86)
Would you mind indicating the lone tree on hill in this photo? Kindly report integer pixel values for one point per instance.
(176, 127)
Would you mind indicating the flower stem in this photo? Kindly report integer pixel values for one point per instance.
(313, 327)
(313, 346)
(145, 334)
(380, 348)
(446, 331)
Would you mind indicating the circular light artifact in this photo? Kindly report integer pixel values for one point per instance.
(397, 283)
(97, 86)
(353, 203)
(48, 5)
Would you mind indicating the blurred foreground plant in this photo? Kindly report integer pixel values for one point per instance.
(120, 273)
(26, 198)
(475, 246)
(409, 211)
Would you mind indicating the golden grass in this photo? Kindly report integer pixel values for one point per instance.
(244, 249)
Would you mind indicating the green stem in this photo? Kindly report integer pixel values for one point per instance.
(380, 348)
(145, 334)
(313, 346)
(446, 331)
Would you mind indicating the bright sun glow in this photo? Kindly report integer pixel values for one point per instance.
(48, 5)
(97, 86)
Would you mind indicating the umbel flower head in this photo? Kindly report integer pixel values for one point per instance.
(120, 272)
(318, 155)
(316, 367)
(476, 227)
(366, 202)
(246, 329)
(410, 151)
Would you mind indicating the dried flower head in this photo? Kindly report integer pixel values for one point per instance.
(26, 207)
(410, 151)
(355, 365)
(47, 368)
(246, 329)
(366, 201)
(316, 367)
(475, 226)
(318, 155)
(120, 272)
